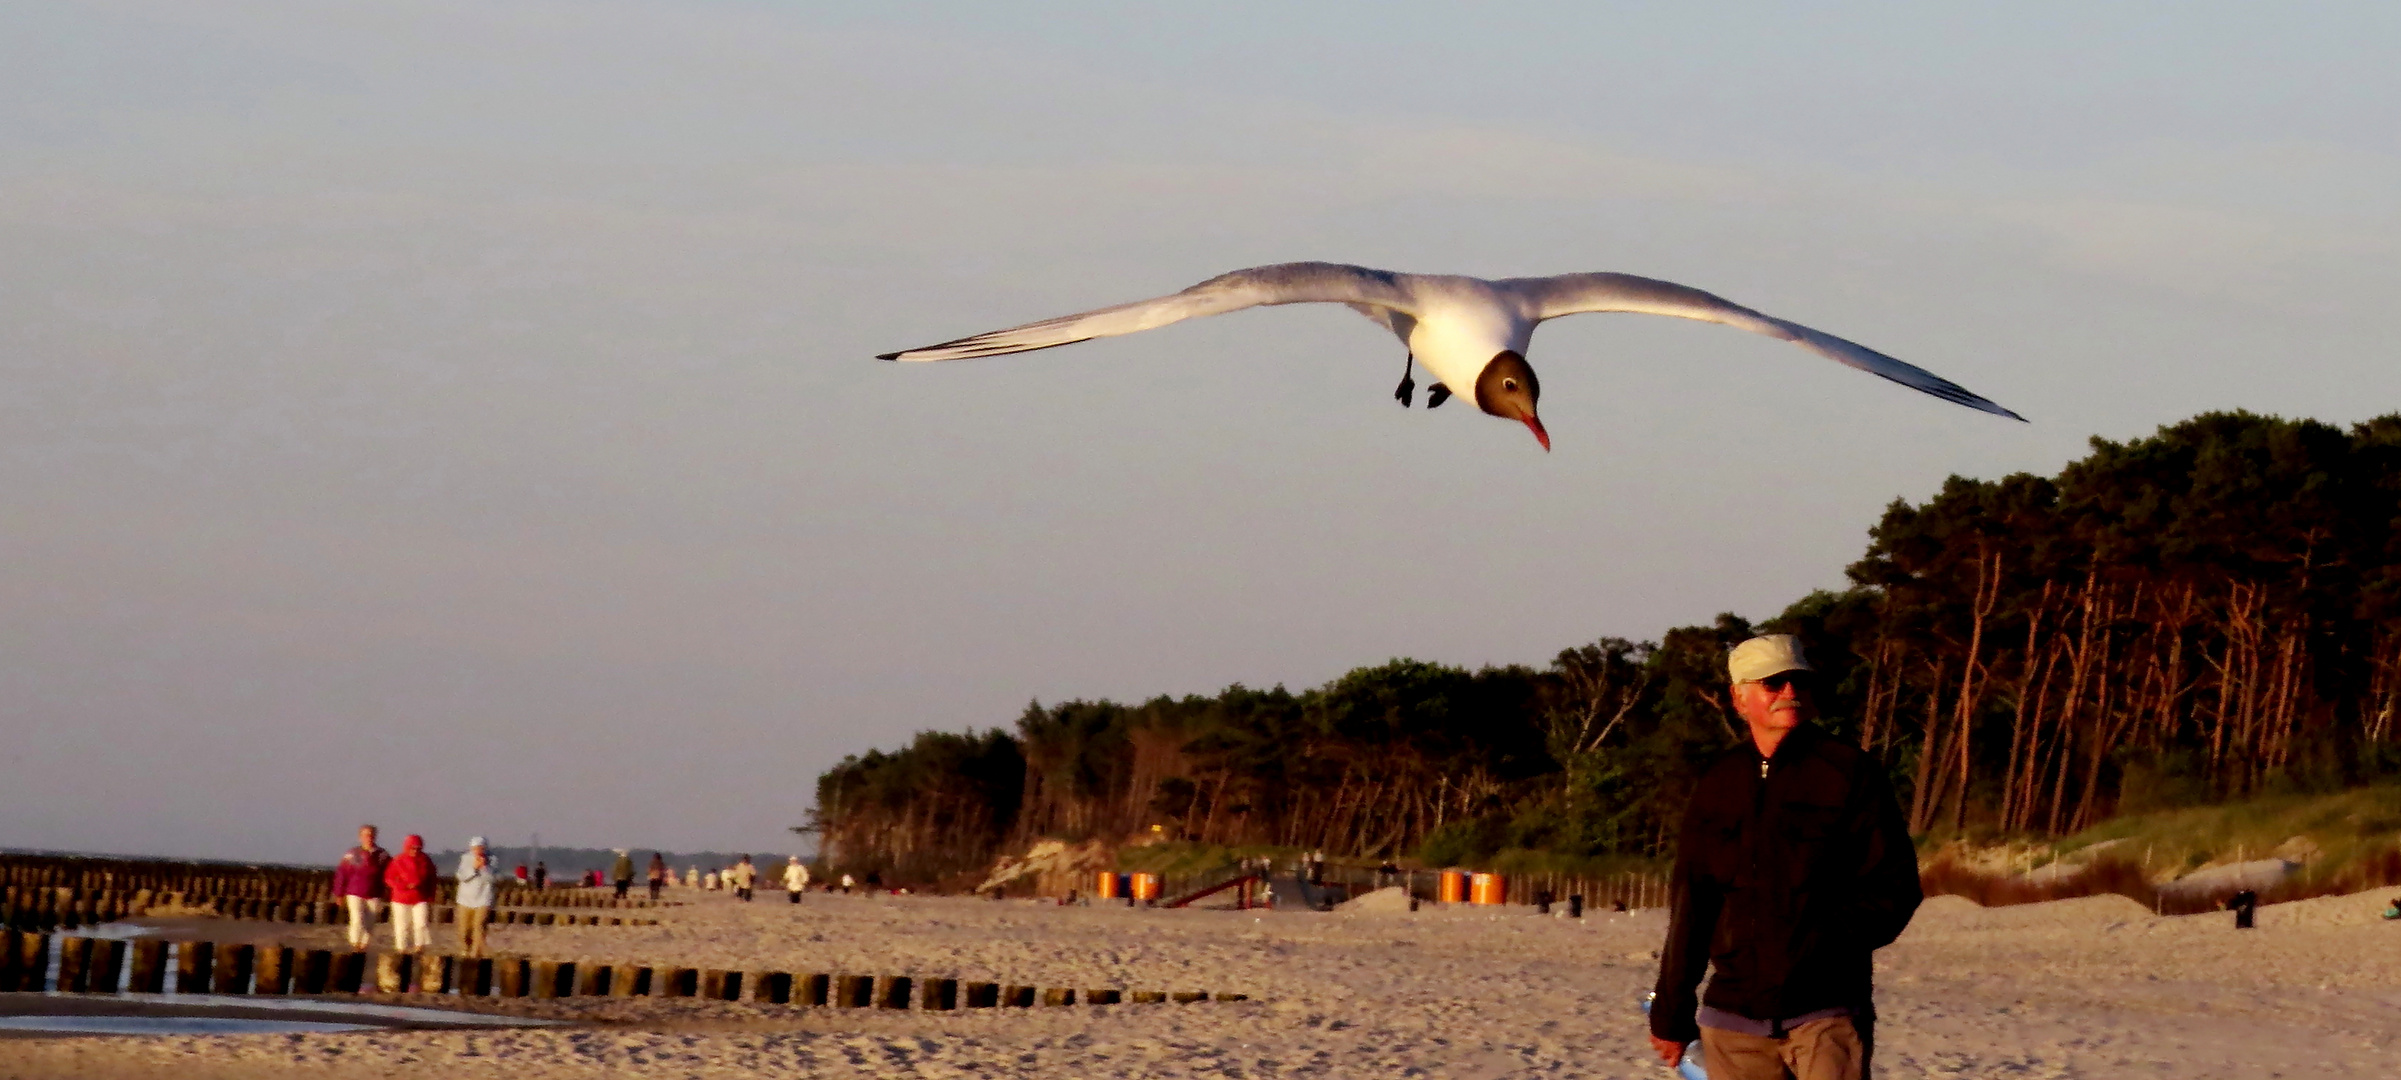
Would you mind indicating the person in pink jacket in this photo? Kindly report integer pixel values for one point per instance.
(358, 885)
(410, 879)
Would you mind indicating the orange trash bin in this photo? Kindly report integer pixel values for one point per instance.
(1487, 889)
(1453, 887)
(1106, 887)
(1146, 886)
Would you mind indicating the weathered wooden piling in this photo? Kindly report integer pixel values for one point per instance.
(74, 951)
(1017, 997)
(892, 991)
(233, 969)
(592, 980)
(391, 972)
(854, 991)
(939, 995)
(1103, 997)
(107, 965)
(816, 988)
(675, 982)
(772, 987)
(549, 974)
(271, 970)
(193, 962)
(433, 973)
(1149, 997)
(509, 976)
(349, 972)
(720, 985)
(474, 976)
(149, 975)
(1058, 995)
(983, 995)
(1186, 997)
(314, 975)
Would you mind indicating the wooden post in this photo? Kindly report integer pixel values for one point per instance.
(391, 972)
(108, 962)
(509, 976)
(193, 962)
(1223, 996)
(74, 951)
(549, 975)
(1149, 997)
(1103, 997)
(854, 991)
(675, 982)
(433, 973)
(983, 995)
(1017, 997)
(892, 992)
(272, 970)
(719, 985)
(315, 973)
(149, 967)
(816, 988)
(629, 981)
(939, 995)
(772, 987)
(1186, 997)
(1058, 995)
(592, 980)
(474, 976)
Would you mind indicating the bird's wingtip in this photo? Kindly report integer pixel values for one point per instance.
(887, 356)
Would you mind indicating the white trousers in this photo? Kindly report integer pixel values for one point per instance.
(363, 915)
(412, 926)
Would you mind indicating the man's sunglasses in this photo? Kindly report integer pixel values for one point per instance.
(1798, 680)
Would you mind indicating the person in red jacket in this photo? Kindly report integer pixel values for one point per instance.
(410, 878)
(358, 884)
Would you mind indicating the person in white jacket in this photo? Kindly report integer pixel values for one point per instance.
(796, 879)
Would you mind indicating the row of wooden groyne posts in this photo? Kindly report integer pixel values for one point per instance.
(87, 965)
(48, 908)
(123, 878)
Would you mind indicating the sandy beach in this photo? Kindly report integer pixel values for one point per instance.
(2096, 987)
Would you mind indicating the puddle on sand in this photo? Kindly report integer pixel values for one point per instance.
(167, 1025)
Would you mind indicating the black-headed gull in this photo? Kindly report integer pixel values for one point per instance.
(1466, 331)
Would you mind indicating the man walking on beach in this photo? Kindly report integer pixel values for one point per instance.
(623, 872)
(1793, 867)
(658, 872)
(358, 884)
(409, 881)
(477, 882)
(741, 877)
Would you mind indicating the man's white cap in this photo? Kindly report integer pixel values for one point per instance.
(1768, 654)
(475, 841)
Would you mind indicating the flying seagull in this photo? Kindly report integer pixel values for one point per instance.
(1468, 332)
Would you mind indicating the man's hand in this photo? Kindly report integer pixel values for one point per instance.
(1669, 1051)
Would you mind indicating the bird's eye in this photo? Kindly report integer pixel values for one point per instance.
(1508, 384)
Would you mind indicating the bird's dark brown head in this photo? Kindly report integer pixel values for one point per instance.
(1508, 389)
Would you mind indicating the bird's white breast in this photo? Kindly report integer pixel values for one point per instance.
(1462, 323)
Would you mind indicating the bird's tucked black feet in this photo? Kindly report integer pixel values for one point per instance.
(1408, 387)
(1436, 395)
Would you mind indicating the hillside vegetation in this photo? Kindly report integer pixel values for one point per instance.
(2212, 613)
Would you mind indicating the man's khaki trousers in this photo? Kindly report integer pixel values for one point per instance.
(472, 921)
(1829, 1049)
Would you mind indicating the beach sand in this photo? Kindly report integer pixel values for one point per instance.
(2085, 988)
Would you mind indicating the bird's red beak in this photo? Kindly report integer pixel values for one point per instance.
(1544, 437)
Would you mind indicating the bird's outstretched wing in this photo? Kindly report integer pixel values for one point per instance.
(1573, 294)
(1283, 283)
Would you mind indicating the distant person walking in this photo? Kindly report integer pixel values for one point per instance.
(541, 874)
(796, 879)
(743, 876)
(846, 884)
(658, 873)
(1794, 865)
(409, 879)
(623, 872)
(358, 884)
(477, 883)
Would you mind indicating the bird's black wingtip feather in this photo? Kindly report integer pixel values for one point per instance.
(887, 356)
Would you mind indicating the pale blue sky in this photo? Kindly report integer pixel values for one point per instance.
(461, 415)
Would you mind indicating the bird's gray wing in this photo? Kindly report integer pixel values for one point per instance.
(1573, 294)
(1283, 283)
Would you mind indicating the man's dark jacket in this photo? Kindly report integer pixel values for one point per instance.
(1787, 877)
